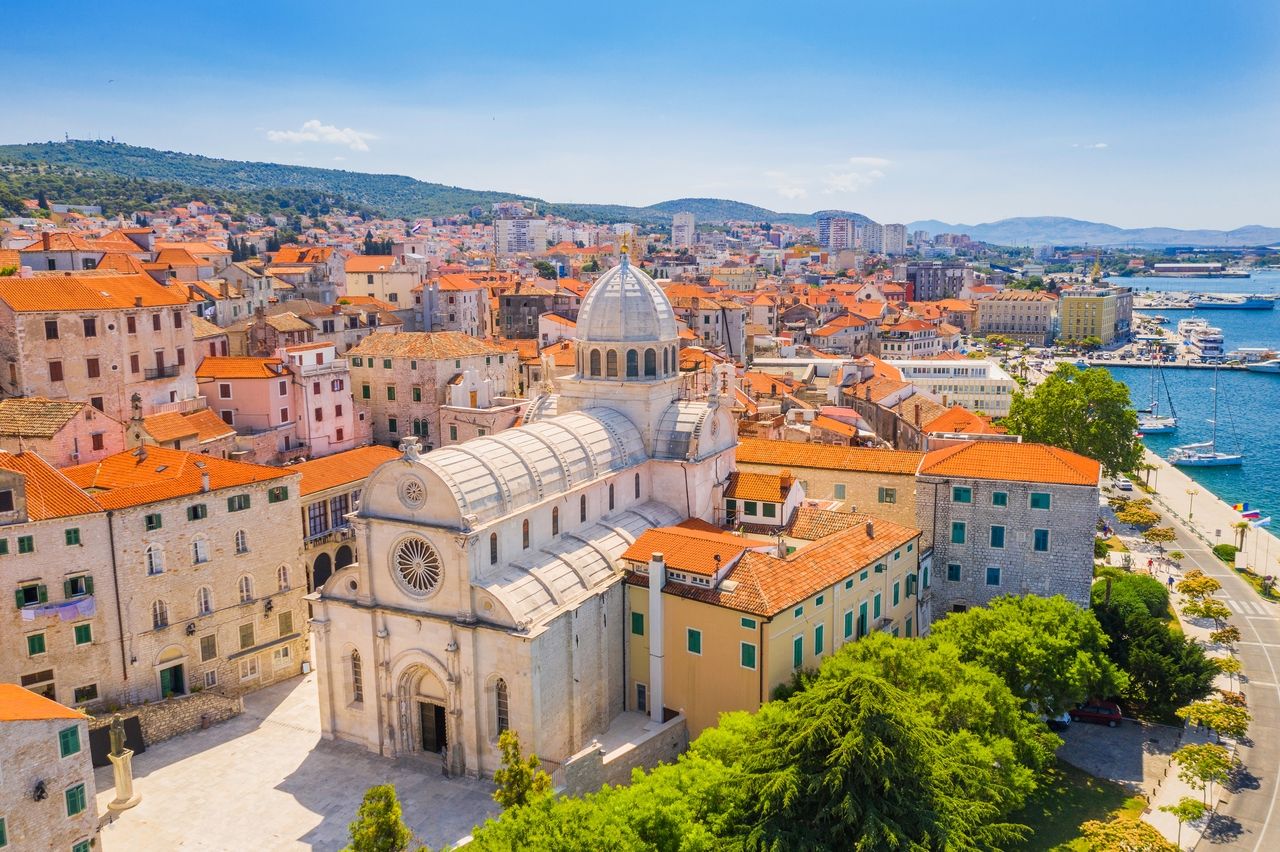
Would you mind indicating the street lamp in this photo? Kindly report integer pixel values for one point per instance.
(1191, 495)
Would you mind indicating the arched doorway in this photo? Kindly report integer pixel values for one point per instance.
(321, 569)
(424, 714)
(343, 557)
(171, 671)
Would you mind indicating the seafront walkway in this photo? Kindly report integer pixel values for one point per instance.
(1247, 817)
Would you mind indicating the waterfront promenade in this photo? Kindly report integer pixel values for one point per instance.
(1247, 816)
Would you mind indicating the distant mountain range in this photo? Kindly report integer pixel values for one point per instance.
(167, 173)
(1056, 230)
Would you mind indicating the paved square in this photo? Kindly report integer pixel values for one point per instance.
(266, 781)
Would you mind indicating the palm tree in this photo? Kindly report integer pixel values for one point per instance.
(1146, 468)
(1241, 527)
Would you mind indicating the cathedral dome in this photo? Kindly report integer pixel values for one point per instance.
(626, 306)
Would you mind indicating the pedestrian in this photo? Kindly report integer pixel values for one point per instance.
(1169, 581)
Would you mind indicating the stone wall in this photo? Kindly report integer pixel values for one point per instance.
(163, 720)
(591, 768)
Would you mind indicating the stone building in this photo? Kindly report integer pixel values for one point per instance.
(1008, 518)
(401, 380)
(486, 596)
(47, 794)
(1025, 315)
(456, 303)
(208, 562)
(329, 492)
(62, 432)
(99, 337)
(61, 639)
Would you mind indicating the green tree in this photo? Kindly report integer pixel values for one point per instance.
(1218, 716)
(1123, 835)
(1228, 637)
(379, 825)
(545, 270)
(1197, 585)
(41, 200)
(1134, 515)
(1202, 765)
(592, 265)
(1229, 666)
(1187, 810)
(1210, 608)
(1087, 412)
(519, 780)
(1159, 536)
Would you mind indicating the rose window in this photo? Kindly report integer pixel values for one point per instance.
(417, 564)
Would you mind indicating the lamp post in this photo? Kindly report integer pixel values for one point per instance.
(1191, 499)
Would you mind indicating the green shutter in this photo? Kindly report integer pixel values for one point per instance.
(17, 598)
(66, 588)
(88, 585)
(43, 592)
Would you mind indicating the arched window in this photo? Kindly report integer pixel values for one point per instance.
(524, 533)
(155, 559)
(493, 548)
(246, 589)
(650, 362)
(555, 520)
(666, 367)
(204, 601)
(610, 496)
(637, 486)
(282, 578)
(242, 542)
(357, 679)
(633, 363)
(595, 362)
(611, 364)
(199, 551)
(582, 509)
(159, 615)
(501, 706)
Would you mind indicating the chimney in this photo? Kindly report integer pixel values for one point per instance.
(871, 529)
(787, 479)
(137, 301)
(866, 393)
(204, 481)
(657, 580)
(917, 415)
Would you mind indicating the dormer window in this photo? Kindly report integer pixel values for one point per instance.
(6, 500)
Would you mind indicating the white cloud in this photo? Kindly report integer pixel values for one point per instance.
(872, 162)
(854, 174)
(314, 131)
(1096, 146)
(785, 184)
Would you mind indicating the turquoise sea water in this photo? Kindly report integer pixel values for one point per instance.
(1248, 402)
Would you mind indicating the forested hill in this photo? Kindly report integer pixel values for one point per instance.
(395, 195)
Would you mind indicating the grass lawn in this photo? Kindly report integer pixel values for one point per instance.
(1067, 798)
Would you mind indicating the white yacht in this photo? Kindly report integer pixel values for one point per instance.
(1206, 453)
(1271, 365)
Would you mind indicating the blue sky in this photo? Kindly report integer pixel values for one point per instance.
(1134, 113)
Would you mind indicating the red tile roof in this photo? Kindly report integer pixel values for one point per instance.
(825, 457)
(239, 367)
(1000, 460)
(683, 549)
(49, 493)
(153, 474)
(18, 704)
(342, 468)
(91, 291)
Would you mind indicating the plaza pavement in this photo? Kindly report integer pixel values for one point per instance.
(266, 781)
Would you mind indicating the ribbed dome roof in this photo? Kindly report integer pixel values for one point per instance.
(626, 306)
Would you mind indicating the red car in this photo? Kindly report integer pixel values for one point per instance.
(1100, 712)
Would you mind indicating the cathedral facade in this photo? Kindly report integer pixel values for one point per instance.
(487, 593)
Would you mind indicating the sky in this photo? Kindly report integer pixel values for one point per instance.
(1134, 113)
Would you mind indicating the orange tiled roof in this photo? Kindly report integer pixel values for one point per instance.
(795, 454)
(239, 367)
(811, 523)
(49, 493)
(373, 263)
(342, 468)
(18, 704)
(1012, 462)
(153, 474)
(303, 254)
(36, 417)
(437, 345)
(202, 329)
(10, 259)
(203, 425)
(59, 241)
(830, 424)
(686, 549)
(92, 291)
(766, 487)
(957, 418)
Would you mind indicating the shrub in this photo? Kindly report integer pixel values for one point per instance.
(1225, 552)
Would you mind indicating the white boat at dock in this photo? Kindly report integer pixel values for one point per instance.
(1271, 365)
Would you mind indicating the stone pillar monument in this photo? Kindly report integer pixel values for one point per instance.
(122, 766)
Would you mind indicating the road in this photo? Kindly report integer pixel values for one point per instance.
(1249, 818)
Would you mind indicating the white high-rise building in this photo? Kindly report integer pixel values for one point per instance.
(869, 236)
(683, 230)
(520, 236)
(895, 239)
(836, 233)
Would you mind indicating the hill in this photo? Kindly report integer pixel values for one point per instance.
(1058, 230)
(394, 195)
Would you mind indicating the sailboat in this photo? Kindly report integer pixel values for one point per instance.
(1150, 420)
(1205, 453)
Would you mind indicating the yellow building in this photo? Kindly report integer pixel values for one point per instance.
(1089, 312)
(732, 620)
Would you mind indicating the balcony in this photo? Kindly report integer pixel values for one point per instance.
(170, 372)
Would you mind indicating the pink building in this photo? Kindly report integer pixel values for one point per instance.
(255, 396)
(327, 419)
(62, 433)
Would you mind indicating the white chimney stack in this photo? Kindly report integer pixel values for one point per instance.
(657, 580)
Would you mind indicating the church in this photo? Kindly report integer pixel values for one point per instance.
(488, 594)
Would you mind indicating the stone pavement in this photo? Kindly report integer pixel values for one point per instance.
(266, 781)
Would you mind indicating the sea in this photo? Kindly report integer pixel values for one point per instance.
(1247, 401)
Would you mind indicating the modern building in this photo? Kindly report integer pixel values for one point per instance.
(1026, 315)
(683, 230)
(930, 281)
(1102, 312)
(836, 233)
(980, 386)
(1008, 518)
(47, 798)
(522, 235)
(894, 240)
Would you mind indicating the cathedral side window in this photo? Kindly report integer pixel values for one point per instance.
(595, 362)
(610, 496)
(493, 548)
(650, 362)
(357, 679)
(246, 589)
(637, 486)
(633, 364)
(611, 364)
(524, 534)
(502, 707)
(582, 509)
(555, 521)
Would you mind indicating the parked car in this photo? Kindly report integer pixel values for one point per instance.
(1099, 712)
(1057, 723)
(1123, 485)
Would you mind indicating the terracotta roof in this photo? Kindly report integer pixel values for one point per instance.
(690, 550)
(59, 241)
(303, 254)
(342, 468)
(830, 424)
(202, 329)
(369, 302)
(18, 704)
(374, 263)
(36, 417)
(957, 418)
(153, 474)
(825, 457)
(10, 259)
(431, 346)
(49, 493)
(1011, 462)
(202, 425)
(811, 523)
(61, 292)
(239, 367)
(767, 487)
